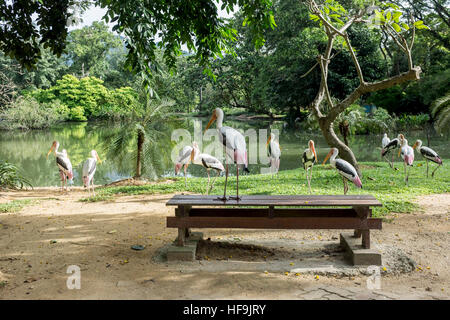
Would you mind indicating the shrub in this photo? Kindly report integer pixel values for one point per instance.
(10, 176)
(27, 113)
(88, 98)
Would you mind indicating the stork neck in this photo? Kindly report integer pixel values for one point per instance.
(219, 119)
(419, 144)
(333, 156)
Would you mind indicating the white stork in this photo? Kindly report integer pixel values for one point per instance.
(345, 169)
(184, 158)
(309, 158)
(64, 165)
(208, 162)
(235, 147)
(407, 154)
(274, 153)
(89, 168)
(428, 154)
(387, 146)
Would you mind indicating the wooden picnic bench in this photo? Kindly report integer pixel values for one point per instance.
(275, 212)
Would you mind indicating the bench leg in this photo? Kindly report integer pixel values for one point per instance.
(183, 233)
(357, 233)
(181, 237)
(366, 239)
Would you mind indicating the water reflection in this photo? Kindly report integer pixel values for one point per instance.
(28, 149)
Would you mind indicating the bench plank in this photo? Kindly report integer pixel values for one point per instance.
(264, 212)
(271, 223)
(302, 200)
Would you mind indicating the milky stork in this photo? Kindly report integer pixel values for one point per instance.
(407, 154)
(274, 153)
(208, 162)
(89, 168)
(235, 147)
(387, 146)
(428, 154)
(64, 165)
(184, 158)
(309, 158)
(345, 169)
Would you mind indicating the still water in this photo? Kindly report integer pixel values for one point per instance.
(28, 150)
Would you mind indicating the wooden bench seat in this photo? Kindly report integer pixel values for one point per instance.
(275, 212)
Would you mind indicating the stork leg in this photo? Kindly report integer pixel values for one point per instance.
(308, 179)
(345, 185)
(427, 168)
(93, 188)
(209, 181)
(224, 198)
(406, 173)
(212, 185)
(432, 174)
(185, 178)
(237, 198)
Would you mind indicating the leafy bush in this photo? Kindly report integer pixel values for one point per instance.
(441, 112)
(10, 176)
(27, 113)
(411, 121)
(88, 98)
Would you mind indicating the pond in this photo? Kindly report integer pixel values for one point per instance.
(28, 150)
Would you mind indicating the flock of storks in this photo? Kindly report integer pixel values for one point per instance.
(236, 150)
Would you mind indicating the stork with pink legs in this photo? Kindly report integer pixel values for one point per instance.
(64, 165)
(345, 169)
(184, 159)
(407, 154)
(274, 153)
(235, 148)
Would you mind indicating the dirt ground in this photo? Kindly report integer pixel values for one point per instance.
(40, 242)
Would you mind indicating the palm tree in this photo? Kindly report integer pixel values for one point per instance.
(441, 112)
(143, 137)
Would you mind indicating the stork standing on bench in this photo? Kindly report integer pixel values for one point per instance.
(274, 153)
(235, 147)
(184, 158)
(208, 162)
(428, 154)
(64, 165)
(345, 169)
(309, 158)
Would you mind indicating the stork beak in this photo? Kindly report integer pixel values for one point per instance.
(314, 151)
(415, 145)
(192, 155)
(213, 118)
(268, 140)
(98, 158)
(328, 156)
(51, 149)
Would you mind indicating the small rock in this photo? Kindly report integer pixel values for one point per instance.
(428, 289)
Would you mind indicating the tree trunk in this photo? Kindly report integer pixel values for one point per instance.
(140, 143)
(333, 141)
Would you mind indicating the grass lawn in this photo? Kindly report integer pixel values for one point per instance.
(378, 179)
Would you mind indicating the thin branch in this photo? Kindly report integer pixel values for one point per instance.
(310, 70)
(355, 59)
(325, 80)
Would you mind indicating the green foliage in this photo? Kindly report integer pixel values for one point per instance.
(411, 121)
(88, 98)
(27, 113)
(10, 176)
(89, 47)
(441, 111)
(142, 139)
(14, 206)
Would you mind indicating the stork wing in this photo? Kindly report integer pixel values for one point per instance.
(184, 155)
